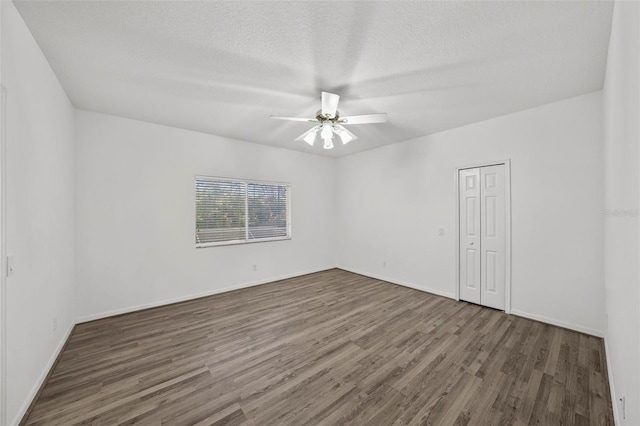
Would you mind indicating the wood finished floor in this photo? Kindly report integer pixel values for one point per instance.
(327, 348)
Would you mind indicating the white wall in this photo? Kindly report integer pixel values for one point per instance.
(392, 200)
(622, 187)
(40, 212)
(136, 214)
(3, 296)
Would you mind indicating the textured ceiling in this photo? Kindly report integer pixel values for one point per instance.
(224, 67)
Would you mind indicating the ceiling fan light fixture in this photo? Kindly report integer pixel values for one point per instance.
(346, 138)
(345, 135)
(326, 132)
(310, 137)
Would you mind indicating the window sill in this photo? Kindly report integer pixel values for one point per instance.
(240, 242)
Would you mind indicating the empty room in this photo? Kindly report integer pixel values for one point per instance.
(319, 213)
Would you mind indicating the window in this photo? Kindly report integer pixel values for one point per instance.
(230, 211)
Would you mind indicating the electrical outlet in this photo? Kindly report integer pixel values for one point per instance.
(441, 232)
(55, 323)
(255, 268)
(384, 263)
(10, 266)
(623, 404)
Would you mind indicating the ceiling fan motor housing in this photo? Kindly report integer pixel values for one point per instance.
(324, 118)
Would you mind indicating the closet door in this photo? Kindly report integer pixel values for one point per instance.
(493, 233)
(469, 216)
(482, 225)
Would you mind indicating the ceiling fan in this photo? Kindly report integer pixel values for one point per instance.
(331, 123)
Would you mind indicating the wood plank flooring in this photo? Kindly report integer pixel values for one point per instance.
(327, 348)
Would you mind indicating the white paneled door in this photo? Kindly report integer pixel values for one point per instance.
(482, 216)
(469, 182)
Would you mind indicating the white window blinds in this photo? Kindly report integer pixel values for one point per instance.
(235, 211)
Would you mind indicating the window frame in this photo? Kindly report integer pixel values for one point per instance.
(246, 182)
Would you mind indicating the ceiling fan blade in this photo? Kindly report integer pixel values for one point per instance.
(329, 104)
(364, 119)
(307, 120)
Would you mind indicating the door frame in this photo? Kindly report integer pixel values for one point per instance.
(3, 257)
(507, 204)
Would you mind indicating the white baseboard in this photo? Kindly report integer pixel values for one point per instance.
(155, 304)
(563, 324)
(398, 282)
(43, 375)
(612, 388)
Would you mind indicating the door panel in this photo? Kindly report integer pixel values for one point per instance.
(469, 222)
(490, 267)
(472, 211)
(493, 233)
(490, 216)
(471, 267)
